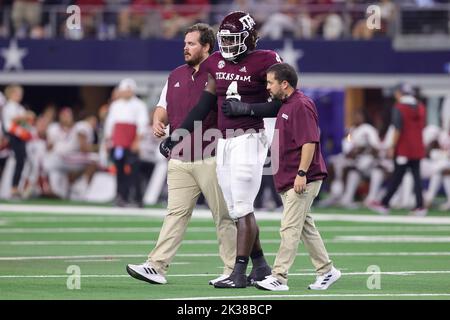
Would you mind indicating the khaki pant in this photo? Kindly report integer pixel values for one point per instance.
(186, 180)
(297, 224)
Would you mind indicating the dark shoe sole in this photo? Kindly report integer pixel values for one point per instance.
(230, 287)
(136, 275)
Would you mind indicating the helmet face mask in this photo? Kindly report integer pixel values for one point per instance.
(232, 45)
(237, 35)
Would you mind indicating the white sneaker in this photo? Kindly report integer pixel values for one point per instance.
(326, 280)
(219, 278)
(146, 272)
(419, 212)
(272, 284)
(445, 206)
(378, 208)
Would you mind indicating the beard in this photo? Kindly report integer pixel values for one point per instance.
(193, 60)
(278, 96)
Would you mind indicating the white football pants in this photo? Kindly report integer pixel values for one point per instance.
(240, 163)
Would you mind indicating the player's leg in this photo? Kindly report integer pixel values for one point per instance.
(118, 158)
(260, 267)
(205, 174)
(351, 185)
(338, 164)
(376, 181)
(415, 169)
(433, 188)
(134, 177)
(397, 178)
(432, 169)
(246, 154)
(183, 193)
(446, 182)
(406, 191)
(18, 147)
(224, 171)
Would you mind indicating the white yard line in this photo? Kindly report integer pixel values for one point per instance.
(325, 295)
(8, 230)
(391, 239)
(101, 242)
(67, 218)
(93, 260)
(203, 213)
(106, 257)
(339, 239)
(384, 229)
(99, 230)
(308, 274)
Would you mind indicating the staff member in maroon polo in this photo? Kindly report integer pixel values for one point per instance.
(408, 118)
(191, 168)
(298, 180)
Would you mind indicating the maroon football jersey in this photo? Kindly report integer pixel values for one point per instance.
(244, 80)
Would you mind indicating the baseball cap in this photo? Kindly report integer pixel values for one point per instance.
(405, 88)
(127, 84)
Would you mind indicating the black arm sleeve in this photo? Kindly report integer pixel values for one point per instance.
(266, 109)
(200, 111)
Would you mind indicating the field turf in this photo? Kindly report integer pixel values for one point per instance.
(40, 250)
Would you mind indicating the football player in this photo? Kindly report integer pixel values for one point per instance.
(237, 72)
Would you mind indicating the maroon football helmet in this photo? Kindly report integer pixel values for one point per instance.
(237, 35)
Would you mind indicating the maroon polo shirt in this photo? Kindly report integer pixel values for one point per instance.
(184, 88)
(410, 143)
(245, 80)
(297, 123)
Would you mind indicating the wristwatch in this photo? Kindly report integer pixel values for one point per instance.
(301, 173)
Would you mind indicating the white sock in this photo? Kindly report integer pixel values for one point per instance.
(407, 195)
(376, 181)
(446, 183)
(353, 180)
(433, 187)
(337, 188)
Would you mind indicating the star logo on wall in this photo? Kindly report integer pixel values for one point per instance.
(289, 54)
(13, 56)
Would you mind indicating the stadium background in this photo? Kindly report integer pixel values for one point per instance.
(341, 65)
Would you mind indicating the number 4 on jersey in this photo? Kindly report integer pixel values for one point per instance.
(232, 91)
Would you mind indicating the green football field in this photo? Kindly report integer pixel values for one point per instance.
(80, 252)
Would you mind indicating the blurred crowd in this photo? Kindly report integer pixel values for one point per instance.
(116, 19)
(359, 175)
(58, 153)
(108, 155)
